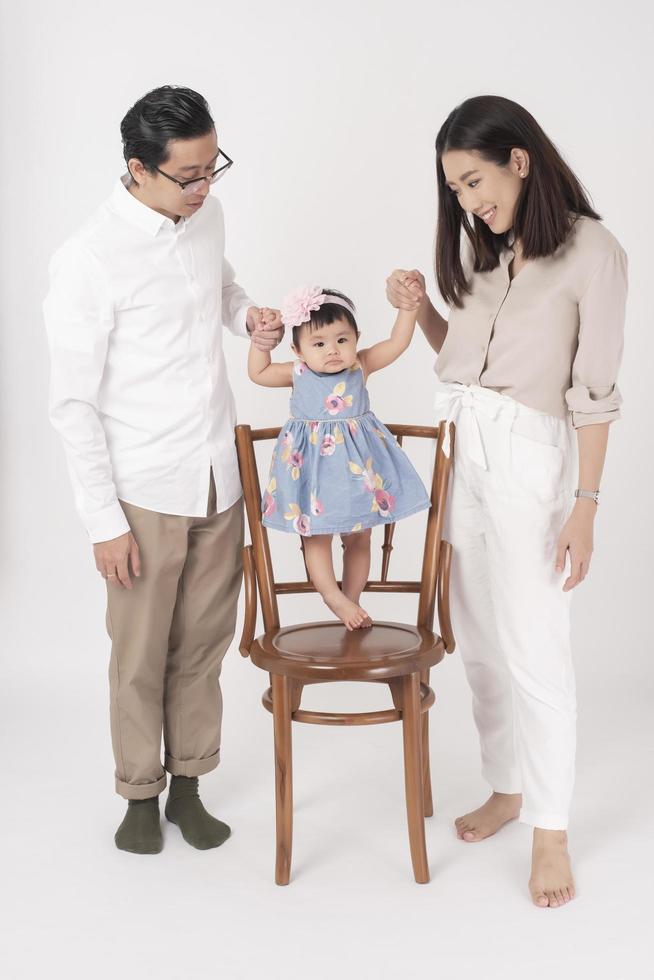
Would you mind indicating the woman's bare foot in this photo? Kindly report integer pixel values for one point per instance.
(487, 820)
(551, 883)
(349, 613)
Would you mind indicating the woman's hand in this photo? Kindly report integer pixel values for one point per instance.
(406, 289)
(577, 539)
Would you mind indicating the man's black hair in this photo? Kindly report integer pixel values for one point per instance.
(166, 113)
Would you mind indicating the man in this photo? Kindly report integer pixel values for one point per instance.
(140, 396)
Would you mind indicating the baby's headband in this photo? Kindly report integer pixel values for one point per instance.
(298, 306)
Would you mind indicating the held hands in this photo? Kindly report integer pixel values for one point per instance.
(406, 290)
(265, 327)
(113, 558)
(577, 539)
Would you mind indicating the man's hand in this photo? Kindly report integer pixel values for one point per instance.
(113, 558)
(265, 327)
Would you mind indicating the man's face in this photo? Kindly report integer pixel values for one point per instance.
(186, 159)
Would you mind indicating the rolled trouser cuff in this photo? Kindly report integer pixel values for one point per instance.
(140, 791)
(544, 821)
(191, 767)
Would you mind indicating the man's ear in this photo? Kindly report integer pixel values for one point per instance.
(136, 171)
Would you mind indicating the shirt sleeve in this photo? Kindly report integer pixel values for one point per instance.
(79, 319)
(235, 302)
(594, 396)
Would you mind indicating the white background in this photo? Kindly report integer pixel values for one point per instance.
(330, 113)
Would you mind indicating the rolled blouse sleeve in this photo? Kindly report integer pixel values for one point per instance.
(594, 396)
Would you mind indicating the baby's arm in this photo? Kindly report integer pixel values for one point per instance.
(386, 351)
(264, 372)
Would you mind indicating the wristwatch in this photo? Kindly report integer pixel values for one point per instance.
(593, 494)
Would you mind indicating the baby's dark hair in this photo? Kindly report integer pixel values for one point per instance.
(328, 313)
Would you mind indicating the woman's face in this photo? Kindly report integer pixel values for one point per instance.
(485, 188)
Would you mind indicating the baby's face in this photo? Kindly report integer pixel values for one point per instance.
(328, 349)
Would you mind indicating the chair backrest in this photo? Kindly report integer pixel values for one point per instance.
(425, 587)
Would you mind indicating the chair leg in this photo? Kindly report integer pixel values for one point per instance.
(426, 771)
(281, 699)
(415, 805)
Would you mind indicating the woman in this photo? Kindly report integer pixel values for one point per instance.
(531, 350)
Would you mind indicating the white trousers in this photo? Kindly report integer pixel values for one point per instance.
(511, 492)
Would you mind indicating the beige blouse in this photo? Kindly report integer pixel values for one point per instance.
(552, 337)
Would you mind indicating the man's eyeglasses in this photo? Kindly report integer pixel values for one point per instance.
(196, 183)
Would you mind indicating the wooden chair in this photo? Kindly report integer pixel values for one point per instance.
(397, 654)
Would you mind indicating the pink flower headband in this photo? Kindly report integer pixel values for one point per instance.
(298, 306)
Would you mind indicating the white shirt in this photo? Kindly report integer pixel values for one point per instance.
(139, 388)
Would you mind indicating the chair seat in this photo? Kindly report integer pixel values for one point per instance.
(329, 651)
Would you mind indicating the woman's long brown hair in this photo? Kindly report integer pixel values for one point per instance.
(550, 198)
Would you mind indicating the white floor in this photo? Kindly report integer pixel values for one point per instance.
(76, 907)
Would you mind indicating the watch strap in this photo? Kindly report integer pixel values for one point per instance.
(593, 494)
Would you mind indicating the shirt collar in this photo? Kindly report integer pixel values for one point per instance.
(138, 214)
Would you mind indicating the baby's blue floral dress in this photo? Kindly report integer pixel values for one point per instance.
(336, 468)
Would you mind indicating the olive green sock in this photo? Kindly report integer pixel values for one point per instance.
(140, 831)
(184, 808)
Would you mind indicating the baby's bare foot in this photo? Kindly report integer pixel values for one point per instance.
(551, 883)
(487, 820)
(349, 613)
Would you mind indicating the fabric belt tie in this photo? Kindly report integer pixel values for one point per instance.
(455, 397)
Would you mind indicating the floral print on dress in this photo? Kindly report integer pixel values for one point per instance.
(286, 444)
(301, 522)
(338, 401)
(328, 446)
(269, 505)
(295, 464)
(382, 500)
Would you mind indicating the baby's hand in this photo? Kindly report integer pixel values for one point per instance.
(271, 319)
(415, 286)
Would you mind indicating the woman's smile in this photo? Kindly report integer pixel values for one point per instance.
(488, 215)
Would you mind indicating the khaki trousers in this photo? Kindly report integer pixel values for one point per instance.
(169, 636)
